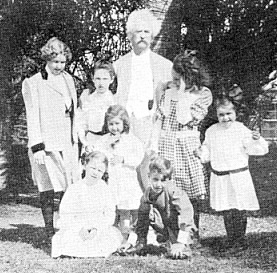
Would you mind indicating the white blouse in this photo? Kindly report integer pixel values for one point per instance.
(94, 107)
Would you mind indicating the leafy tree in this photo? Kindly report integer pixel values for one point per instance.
(236, 37)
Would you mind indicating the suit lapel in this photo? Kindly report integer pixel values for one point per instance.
(52, 87)
(69, 84)
(71, 87)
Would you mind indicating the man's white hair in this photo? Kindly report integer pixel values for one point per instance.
(146, 16)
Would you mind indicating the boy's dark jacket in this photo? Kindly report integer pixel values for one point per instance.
(173, 206)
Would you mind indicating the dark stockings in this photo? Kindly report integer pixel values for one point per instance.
(235, 224)
(196, 208)
(47, 208)
(60, 195)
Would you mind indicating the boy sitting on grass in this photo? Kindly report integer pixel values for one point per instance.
(167, 210)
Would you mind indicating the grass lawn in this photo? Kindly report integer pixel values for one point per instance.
(23, 247)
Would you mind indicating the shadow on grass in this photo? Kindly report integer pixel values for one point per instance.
(30, 199)
(261, 253)
(28, 234)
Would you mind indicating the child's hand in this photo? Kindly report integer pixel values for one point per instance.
(155, 117)
(39, 157)
(198, 152)
(150, 152)
(256, 135)
(84, 234)
(87, 234)
(180, 251)
(116, 159)
(89, 148)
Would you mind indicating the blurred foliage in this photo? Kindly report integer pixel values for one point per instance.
(237, 39)
(92, 29)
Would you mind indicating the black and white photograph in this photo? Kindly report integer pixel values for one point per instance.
(138, 136)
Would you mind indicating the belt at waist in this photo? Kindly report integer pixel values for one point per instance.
(100, 133)
(229, 171)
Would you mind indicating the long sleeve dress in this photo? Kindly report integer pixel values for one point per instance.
(123, 176)
(180, 114)
(229, 150)
(85, 206)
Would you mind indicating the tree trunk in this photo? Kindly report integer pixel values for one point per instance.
(170, 12)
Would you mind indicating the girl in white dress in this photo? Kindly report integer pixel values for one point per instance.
(93, 106)
(125, 152)
(227, 146)
(87, 213)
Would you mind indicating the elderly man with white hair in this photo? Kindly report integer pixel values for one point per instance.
(140, 72)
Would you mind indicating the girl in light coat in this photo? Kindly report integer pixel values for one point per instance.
(50, 99)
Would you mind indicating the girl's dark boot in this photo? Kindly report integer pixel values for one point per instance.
(196, 216)
(240, 222)
(229, 226)
(47, 208)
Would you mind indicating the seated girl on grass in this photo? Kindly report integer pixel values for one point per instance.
(87, 213)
